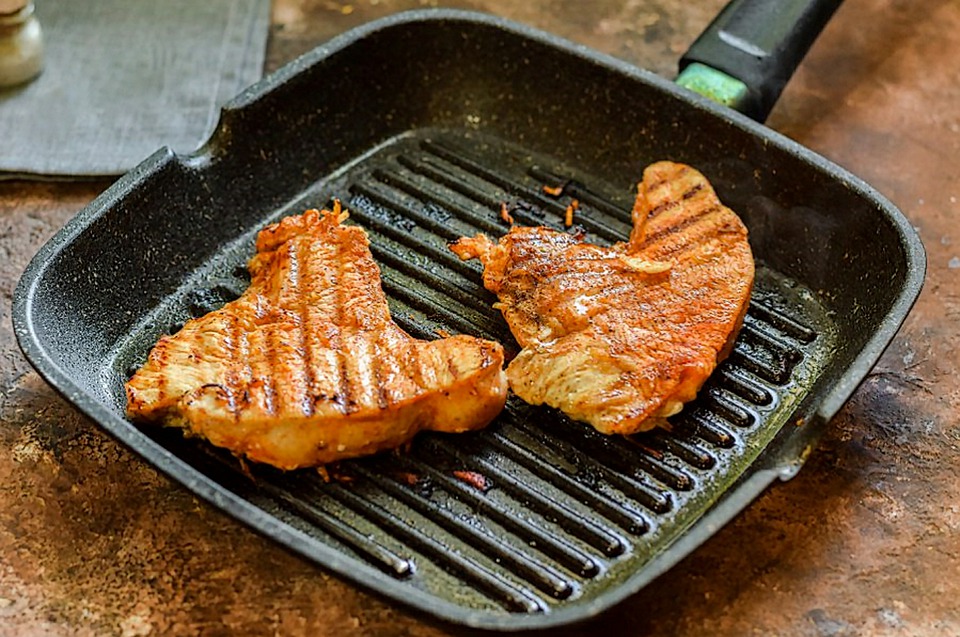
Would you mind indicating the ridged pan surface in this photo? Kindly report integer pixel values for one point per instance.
(535, 521)
(537, 512)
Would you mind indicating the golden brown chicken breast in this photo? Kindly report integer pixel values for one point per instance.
(622, 337)
(307, 367)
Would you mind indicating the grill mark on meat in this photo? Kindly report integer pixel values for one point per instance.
(269, 397)
(691, 191)
(222, 391)
(609, 341)
(314, 325)
(382, 400)
(692, 237)
(288, 361)
(326, 361)
(344, 396)
(230, 344)
(452, 369)
(304, 348)
(538, 242)
(674, 229)
(243, 355)
(672, 204)
(657, 184)
(411, 363)
(390, 370)
(365, 376)
(668, 203)
(594, 270)
(263, 360)
(662, 208)
(161, 356)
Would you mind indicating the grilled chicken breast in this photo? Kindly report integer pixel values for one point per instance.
(307, 367)
(622, 337)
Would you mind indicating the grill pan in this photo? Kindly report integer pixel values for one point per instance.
(423, 123)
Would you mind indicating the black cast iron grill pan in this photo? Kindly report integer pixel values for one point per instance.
(536, 521)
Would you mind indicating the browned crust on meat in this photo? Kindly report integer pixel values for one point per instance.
(306, 367)
(621, 337)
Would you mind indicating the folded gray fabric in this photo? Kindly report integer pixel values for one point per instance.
(124, 77)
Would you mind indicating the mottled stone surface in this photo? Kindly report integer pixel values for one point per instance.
(865, 541)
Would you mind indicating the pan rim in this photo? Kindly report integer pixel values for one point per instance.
(292, 539)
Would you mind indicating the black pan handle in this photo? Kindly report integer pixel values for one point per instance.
(756, 45)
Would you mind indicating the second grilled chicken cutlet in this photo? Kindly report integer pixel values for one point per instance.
(622, 337)
(307, 367)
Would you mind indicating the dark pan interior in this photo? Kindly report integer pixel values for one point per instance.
(423, 124)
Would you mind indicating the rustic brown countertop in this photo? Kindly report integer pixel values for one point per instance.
(865, 541)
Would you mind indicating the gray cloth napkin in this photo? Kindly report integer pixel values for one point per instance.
(124, 77)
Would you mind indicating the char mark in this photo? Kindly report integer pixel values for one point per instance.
(346, 401)
(303, 325)
(675, 229)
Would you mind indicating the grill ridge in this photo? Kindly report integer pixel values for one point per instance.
(725, 403)
(598, 538)
(708, 427)
(536, 573)
(689, 452)
(442, 256)
(464, 319)
(594, 224)
(402, 316)
(533, 215)
(761, 334)
(443, 176)
(582, 193)
(744, 386)
(619, 514)
(510, 594)
(622, 455)
(396, 262)
(638, 490)
(567, 506)
(388, 201)
(760, 361)
(374, 552)
(563, 552)
(782, 322)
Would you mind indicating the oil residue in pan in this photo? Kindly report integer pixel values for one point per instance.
(536, 512)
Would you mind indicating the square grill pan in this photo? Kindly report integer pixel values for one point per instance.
(423, 124)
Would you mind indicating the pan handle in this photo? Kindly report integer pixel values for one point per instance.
(746, 55)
